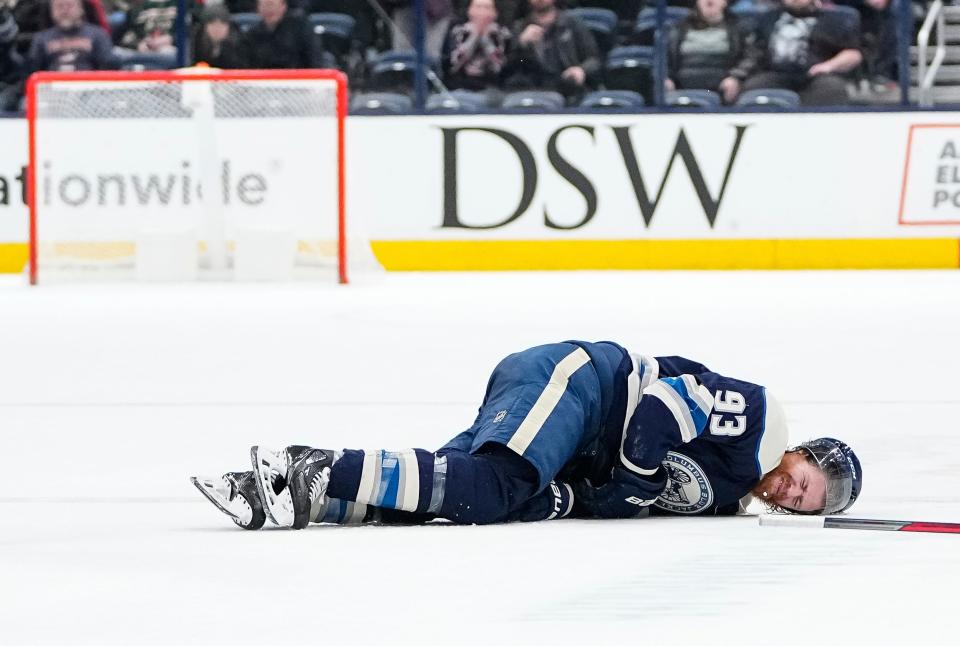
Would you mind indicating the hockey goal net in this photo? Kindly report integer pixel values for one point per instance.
(190, 174)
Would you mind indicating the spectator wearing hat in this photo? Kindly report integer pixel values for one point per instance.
(804, 49)
(72, 44)
(215, 42)
(282, 40)
(476, 49)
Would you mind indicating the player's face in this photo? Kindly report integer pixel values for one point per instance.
(797, 484)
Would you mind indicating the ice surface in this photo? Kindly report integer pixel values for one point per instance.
(111, 396)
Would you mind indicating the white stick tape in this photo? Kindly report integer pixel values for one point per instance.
(784, 520)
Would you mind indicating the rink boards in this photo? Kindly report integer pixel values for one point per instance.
(650, 191)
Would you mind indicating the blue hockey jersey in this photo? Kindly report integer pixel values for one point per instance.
(690, 440)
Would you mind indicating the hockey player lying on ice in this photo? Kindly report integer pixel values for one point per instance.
(570, 429)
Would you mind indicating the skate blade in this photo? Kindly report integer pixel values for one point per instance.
(279, 507)
(207, 487)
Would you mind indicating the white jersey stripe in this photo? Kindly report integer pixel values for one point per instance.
(547, 401)
(408, 496)
(698, 393)
(368, 475)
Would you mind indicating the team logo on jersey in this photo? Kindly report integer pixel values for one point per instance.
(688, 491)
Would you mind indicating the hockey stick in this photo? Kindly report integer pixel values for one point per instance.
(839, 522)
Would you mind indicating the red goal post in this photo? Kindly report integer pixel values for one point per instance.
(41, 108)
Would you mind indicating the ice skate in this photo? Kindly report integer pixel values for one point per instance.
(235, 494)
(292, 482)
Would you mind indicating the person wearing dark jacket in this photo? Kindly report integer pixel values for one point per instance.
(11, 64)
(215, 43)
(282, 41)
(554, 51)
(72, 44)
(705, 51)
(804, 49)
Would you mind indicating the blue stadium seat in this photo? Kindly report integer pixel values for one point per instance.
(148, 62)
(602, 23)
(748, 14)
(625, 9)
(770, 99)
(381, 103)
(646, 25)
(693, 99)
(244, 21)
(534, 101)
(613, 100)
(456, 102)
(849, 16)
(335, 31)
(629, 68)
(394, 69)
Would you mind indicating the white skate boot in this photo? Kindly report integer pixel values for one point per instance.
(235, 494)
(292, 483)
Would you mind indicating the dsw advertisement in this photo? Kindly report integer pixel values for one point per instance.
(744, 190)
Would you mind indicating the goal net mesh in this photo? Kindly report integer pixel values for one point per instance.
(184, 178)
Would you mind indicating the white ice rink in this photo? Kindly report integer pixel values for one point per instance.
(110, 397)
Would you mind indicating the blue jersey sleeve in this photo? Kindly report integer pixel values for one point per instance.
(671, 411)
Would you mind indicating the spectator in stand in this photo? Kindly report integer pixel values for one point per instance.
(282, 40)
(804, 49)
(71, 44)
(878, 28)
(508, 11)
(439, 16)
(150, 25)
(476, 49)
(706, 48)
(215, 43)
(33, 16)
(11, 65)
(554, 51)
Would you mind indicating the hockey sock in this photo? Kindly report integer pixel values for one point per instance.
(412, 480)
(460, 486)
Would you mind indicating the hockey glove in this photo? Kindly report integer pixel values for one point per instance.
(627, 495)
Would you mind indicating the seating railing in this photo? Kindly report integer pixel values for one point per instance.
(926, 75)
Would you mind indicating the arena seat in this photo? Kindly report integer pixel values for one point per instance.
(243, 22)
(629, 68)
(770, 99)
(456, 102)
(394, 69)
(613, 100)
(146, 62)
(335, 31)
(602, 23)
(693, 99)
(381, 103)
(646, 26)
(534, 101)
